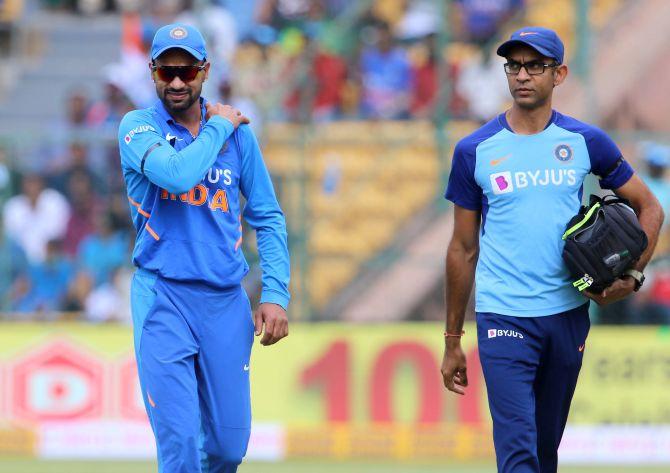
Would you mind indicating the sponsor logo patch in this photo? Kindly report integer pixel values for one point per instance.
(172, 138)
(506, 182)
(136, 131)
(495, 162)
(504, 333)
(502, 182)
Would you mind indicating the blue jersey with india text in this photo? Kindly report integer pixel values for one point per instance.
(184, 195)
(527, 187)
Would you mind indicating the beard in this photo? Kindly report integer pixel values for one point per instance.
(531, 104)
(181, 104)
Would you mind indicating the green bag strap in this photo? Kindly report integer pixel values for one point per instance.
(583, 283)
(579, 224)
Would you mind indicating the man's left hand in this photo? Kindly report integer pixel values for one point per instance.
(616, 291)
(275, 320)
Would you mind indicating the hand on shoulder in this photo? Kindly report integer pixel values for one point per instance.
(228, 112)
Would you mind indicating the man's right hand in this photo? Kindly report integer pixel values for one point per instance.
(454, 369)
(231, 114)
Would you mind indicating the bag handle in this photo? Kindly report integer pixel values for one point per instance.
(608, 199)
(581, 223)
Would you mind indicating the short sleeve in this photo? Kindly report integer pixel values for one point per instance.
(462, 188)
(607, 161)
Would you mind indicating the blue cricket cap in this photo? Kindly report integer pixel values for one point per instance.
(542, 40)
(178, 35)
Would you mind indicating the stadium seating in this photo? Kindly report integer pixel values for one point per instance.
(361, 182)
(561, 16)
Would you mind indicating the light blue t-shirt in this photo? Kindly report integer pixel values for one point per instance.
(527, 188)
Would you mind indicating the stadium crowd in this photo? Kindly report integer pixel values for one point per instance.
(67, 236)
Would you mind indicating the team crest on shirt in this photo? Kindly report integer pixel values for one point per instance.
(563, 153)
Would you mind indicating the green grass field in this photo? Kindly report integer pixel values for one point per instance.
(35, 466)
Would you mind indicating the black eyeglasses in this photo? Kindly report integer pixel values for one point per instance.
(185, 73)
(533, 68)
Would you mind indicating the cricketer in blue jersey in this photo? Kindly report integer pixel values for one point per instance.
(515, 183)
(186, 164)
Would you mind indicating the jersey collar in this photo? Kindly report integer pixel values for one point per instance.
(165, 115)
(502, 119)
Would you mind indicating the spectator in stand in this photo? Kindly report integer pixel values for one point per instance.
(482, 19)
(110, 302)
(13, 266)
(281, 14)
(103, 251)
(424, 79)
(77, 162)
(329, 72)
(385, 78)
(35, 217)
(159, 12)
(657, 160)
(75, 127)
(324, 85)
(255, 17)
(482, 86)
(260, 68)
(77, 106)
(421, 19)
(107, 113)
(387, 11)
(86, 205)
(48, 282)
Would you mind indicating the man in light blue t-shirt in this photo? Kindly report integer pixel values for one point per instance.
(515, 183)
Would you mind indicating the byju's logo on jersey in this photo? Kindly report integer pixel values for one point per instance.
(493, 333)
(137, 130)
(563, 153)
(506, 182)
(501, 182)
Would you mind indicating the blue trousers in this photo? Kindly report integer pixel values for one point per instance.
(530, 366)
(192, 344)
